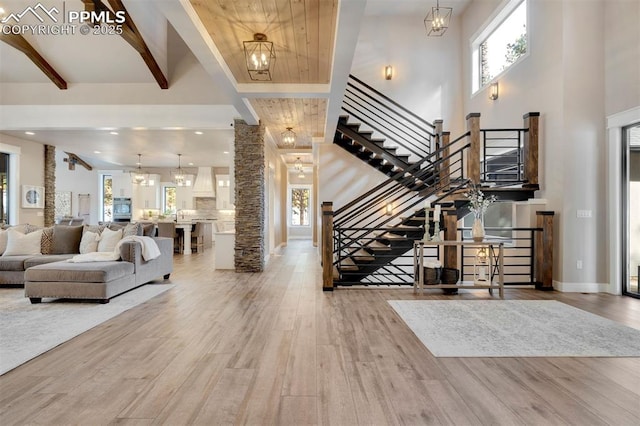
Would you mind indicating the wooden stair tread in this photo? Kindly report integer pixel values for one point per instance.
(347, 264)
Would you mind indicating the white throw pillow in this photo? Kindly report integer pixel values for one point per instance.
(89, 242)
(109, 239)
(4, 234)
(19, 244)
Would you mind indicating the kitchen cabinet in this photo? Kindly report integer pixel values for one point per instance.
(121, 185)
(148, 197)
(184, 196)
(223, 192)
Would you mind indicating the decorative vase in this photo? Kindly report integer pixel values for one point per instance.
(477, 232)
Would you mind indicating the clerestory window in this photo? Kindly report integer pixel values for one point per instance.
(501, 43)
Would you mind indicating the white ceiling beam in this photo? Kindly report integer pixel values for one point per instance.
(186, 22)
(350, 17)
(18, 117)
(279, 90)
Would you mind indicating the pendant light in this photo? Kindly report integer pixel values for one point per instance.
(140, 177)
(179, 176)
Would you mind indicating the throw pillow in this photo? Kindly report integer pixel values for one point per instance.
(149, 229)
(96, 229)
(66, 239)
(46, 244)
(89, 242)
(19, 244)
(4, 233)
(130, 230)
(109, 239)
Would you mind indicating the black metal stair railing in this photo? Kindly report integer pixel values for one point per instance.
(410, 133)
(502, 161)
(367, 239)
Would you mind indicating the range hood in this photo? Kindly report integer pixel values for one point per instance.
(203, 186)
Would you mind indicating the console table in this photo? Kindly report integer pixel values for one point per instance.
(495, 261)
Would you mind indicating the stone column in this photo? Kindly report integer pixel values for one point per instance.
(49, 185)
(249, 196)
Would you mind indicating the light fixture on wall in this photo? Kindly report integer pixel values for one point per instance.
(437, 20)
(179, 176)
(288, 138)
(260, 57)
(388, 209)
(140, 177)
(298, 164)
(493, 91)
(388, 72)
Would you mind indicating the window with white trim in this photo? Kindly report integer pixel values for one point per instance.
(500, 44)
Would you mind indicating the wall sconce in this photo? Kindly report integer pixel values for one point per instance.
(388, 209)
(481, 267)
(493, 91)
(388, 72)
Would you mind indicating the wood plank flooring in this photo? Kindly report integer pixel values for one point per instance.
(272, 348)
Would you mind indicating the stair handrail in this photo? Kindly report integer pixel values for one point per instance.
(384, 115)
(394, 103)
(437, 154)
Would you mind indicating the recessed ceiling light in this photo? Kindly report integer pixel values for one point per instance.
(113, 133)
(225, 152)
(97, 152)
(29, 133)
(198, 133)
(191, 164)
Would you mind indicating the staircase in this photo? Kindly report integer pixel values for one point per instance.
(371, 244)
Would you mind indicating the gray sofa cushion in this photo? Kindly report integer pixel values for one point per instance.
(50, 258)
(13, 263)
(66, 239)
(92, 272)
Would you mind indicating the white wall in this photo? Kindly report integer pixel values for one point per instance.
(427, 70)
(342, 176)
(78, 181)
(622, 55)
(30, 166)
(563, 78)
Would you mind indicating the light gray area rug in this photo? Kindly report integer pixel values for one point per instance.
(515, 328)
(27, 330)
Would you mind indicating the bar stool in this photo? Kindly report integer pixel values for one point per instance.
(169, 230)
(197, 238)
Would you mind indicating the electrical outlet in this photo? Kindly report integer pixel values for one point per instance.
(583, 213)
(579, 264)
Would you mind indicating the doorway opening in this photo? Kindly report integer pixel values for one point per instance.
(631, 209)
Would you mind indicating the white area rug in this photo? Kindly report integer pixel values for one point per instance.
(514, 328)
(27, 330)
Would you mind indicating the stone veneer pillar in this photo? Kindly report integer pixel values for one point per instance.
(249, 194)
(49, 185)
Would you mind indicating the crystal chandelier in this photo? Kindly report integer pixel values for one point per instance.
(298, 164)
(179, 176)
(140, 177)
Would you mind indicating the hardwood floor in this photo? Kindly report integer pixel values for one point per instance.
(272, 348)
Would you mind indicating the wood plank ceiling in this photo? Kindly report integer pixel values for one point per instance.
(302, 32)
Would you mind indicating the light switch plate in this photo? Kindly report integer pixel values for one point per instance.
(584, 213)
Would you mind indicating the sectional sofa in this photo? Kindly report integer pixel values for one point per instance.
(50, 275)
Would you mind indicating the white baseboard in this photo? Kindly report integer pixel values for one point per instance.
(581, 287)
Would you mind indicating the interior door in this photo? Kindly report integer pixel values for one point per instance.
(631, 209)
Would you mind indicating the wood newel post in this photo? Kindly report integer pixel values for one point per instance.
(544, 250)
(445, 171)
(327, 246)
(450, 258)
(473, 159)
(530, 149)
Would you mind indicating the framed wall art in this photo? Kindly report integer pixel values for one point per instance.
(32, 197)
